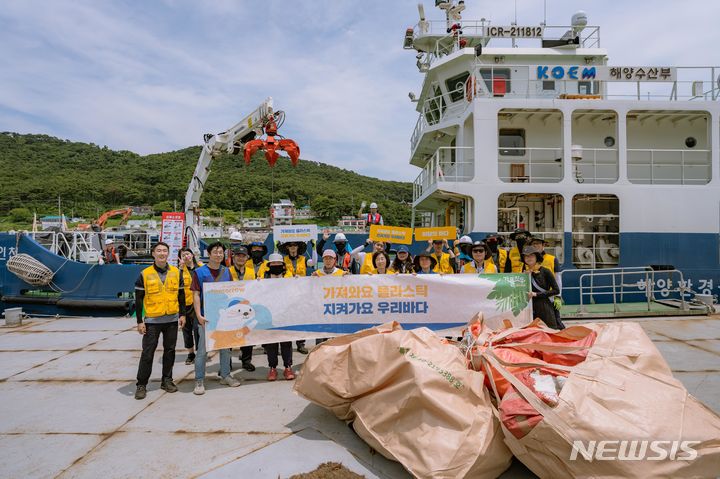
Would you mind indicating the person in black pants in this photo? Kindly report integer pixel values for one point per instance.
(159, 292)
(187, 264)
(544, 286)
(278, 269)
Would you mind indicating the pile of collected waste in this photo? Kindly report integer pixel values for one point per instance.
(588, 401)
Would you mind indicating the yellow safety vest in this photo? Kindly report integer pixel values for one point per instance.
(261, 270)
(161, 298)
(337, 272)
(488, 264)
(301, 266)
(249, 273)
(549, 262)
(367, 266)
(515, 260)
(443, 266)
(187, 282)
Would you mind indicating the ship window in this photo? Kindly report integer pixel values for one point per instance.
(588, 87)
(690, 142)
(512, 142)
(548, 86)
(596, 231)
(540, 213)
(609, 141)
(435, 106)
(456, 86)
(497, 80)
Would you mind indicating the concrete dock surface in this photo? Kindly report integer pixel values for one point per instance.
(66, 396)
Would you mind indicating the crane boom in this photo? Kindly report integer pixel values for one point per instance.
(263, 120)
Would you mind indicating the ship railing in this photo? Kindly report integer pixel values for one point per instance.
(448, 42)
(530, 165)
(86, 246)
(447, 164)
(692, 84)
(597, 166)
(619, 283)
(669, 166)
(438, 109)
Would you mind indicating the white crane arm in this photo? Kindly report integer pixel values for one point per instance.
(232, 141)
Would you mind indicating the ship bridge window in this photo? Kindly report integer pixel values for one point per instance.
(435, 107)
(596, 231)
(456, 86)
(669, 147)
(497, 80)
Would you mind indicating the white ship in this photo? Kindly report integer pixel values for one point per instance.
(529, 126)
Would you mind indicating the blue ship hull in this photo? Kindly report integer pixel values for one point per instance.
(107, 290)
(76, 288)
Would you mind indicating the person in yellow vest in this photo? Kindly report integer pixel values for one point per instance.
(481, 262)
(187, 264)
(297, 265)
(549, 261)
(445, 262)
(365, 259)
(494, 243)
(257, 250)
(329, 268)
(276, 269)
(239, 271)
(160, 293)
(510, 260)
(381, 263)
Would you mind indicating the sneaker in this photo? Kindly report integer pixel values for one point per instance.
(248, 366)
(302, 349)
(272, 375)
(169, 386)
(140, 392)
(190, 359)
(289, 374)
(199, 387)
(230, 381)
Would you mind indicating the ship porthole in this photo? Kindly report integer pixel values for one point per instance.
(690, 142)
(609, 141)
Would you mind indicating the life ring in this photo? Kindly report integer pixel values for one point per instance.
(470, 88)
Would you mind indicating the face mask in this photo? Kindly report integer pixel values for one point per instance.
(340, 247)
(256, 256)
(276, 269)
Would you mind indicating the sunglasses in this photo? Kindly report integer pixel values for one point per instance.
(479, 250)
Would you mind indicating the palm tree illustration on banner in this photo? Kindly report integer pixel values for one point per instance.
(510, 291)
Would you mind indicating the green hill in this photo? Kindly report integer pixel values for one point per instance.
(37, 169)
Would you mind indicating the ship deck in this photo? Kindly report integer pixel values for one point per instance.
(67, 385)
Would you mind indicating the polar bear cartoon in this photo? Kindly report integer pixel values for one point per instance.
(234, 324)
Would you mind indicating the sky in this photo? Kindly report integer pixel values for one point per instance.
(151, 77)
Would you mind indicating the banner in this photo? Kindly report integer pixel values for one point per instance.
(391, 234)
(242, 313)
(171, 232)
(302, 233)
(438, 233)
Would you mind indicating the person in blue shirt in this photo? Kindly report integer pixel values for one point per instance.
(425, 263)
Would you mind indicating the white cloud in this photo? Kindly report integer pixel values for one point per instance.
(156, 77)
